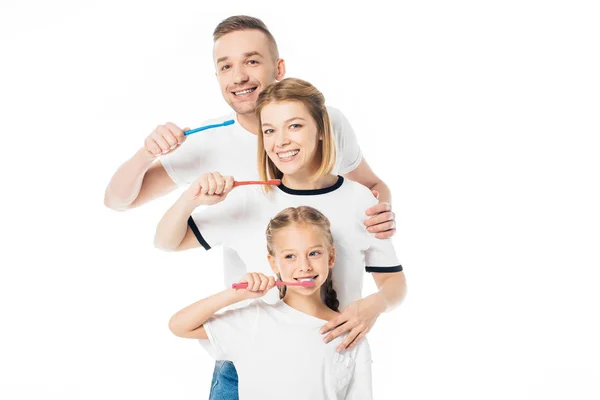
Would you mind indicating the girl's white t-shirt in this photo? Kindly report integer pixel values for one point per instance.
(279, 353)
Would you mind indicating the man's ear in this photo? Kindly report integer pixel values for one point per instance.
(280, 69)
(273, 264)
(331, 257)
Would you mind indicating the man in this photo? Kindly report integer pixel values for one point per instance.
(246, 61)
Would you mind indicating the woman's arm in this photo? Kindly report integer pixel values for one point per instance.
(188, 322)
(172, 232)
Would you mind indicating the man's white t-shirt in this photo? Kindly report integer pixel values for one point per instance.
(279, 353)
(239, 222)
(232, 150)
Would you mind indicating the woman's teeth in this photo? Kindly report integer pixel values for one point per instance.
(288, 154)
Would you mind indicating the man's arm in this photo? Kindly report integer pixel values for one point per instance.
(143, 178)
(136, 182)
(382, 221)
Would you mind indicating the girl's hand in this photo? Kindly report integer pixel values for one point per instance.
(210, 188)
(258, 285)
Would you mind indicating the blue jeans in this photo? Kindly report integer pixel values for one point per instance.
(224, 384)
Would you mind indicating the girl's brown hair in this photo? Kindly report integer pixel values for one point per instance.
(312, 217)
(293, 89)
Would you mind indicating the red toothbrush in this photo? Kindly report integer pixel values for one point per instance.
(307, 283)
(269, 182)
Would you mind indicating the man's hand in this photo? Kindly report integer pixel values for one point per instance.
(382, 221)
(164, 139)
(358, 318)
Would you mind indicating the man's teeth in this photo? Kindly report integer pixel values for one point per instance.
(289, 154)
(245, 92)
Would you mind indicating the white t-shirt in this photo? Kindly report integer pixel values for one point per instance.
(239, 222)
(279, 353)
(232, 150)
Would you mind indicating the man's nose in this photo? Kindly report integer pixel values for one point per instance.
(240, 75)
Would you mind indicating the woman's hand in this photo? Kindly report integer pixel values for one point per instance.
(210, 188)
(258, 285)
(358, 318)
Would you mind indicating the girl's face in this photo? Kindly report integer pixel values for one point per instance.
(301, 252)
(290, 136)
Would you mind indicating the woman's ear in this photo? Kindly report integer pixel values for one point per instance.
(273, 264)
(331, 257)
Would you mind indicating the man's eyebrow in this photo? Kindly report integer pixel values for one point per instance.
(253, 53)
(246, 55)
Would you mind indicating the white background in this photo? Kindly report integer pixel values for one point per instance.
(482, 117)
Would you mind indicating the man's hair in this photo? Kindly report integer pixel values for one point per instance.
(245, 23)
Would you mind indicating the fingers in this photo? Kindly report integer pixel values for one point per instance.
(379, 208)
(340, 319)
(258, 282)
(386, 234)
(339, 331)
(355, 341)
(228, 184)
(164, 139)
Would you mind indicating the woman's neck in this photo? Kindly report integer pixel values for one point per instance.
(311, 305)
(300, 181)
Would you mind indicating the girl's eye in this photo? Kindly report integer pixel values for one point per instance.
(314, 253)
(267, 131)
(290, 256)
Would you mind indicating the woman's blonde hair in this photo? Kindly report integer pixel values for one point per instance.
(311, 217)
(293, 89)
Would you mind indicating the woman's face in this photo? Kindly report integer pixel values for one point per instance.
(291, 139)
(301, 252)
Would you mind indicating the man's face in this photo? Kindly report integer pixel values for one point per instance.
(244, 67)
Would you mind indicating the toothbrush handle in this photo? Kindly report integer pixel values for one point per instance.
(244, 285)
(269, 182)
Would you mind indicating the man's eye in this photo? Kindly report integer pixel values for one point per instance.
(252, 62)
(224, 67)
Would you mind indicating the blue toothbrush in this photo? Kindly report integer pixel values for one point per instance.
(202, 128)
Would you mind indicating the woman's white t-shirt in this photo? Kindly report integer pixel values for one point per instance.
(239, 222)
(279, 353)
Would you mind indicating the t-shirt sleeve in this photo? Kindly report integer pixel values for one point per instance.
(217, 224)
(185, 164)
(230, 333)
(380, 255)
(348, 151)
(361, 384)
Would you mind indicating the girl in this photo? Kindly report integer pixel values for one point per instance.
(276, 348)
(295, 145)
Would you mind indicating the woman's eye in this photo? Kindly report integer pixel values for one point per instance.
(295, 126)
(267, 131)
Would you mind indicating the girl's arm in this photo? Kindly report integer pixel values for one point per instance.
(188, 322)
(172, 232)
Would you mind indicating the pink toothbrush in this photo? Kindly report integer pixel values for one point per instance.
(307, 283)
